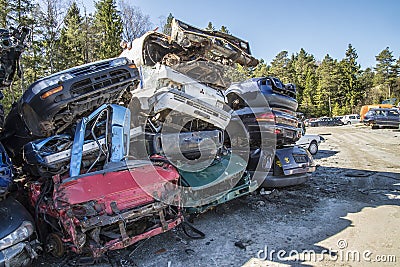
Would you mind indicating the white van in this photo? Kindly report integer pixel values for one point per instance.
(351, 119)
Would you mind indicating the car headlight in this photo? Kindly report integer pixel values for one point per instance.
(220, 105)
(24, 231)
(58, 79)
(118, 62)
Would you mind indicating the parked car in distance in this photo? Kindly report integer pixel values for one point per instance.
(382, 117)
(366, 108)
(310, 142)
(325, 121)
(351, 119)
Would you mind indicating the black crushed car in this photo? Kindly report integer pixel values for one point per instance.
(52, 104)
(266, 105)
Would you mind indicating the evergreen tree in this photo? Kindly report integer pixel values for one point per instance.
(72, 38)
(89, 38)
(371, 92)
(4, 10)
(325, 95)
(386, 71)
(18, 12)
(108, 28)
(210, 26)
(350, 72)
(302, 63)
(51, 17)
(279, 67)
(167, 26)
(224, 29)
(261, 70)
(308, 103)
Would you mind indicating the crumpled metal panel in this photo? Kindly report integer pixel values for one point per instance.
(6, 174)
(220, 45)
(115, 185)
(225, 179)
(120, 118)
(186, 143)
(295, 160)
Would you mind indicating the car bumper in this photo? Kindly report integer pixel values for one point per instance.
(20, 254)
(236, 192)
(286, 180)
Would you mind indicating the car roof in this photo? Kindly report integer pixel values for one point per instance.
(373, 109)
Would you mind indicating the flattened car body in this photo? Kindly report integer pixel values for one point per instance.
(166, 89)
(109, 202)
(292, 166)
(187, 43)
(224, 180)
(108, 210)
(52, 104)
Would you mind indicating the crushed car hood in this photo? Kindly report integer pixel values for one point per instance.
(125, 188)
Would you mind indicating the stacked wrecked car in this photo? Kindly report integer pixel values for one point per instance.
(119, 150)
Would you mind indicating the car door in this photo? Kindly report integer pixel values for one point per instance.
(380, 118)
(393, 118)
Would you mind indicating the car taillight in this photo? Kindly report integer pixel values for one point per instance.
(266, 117)
(277, 131)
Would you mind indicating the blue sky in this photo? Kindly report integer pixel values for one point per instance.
(320, 27)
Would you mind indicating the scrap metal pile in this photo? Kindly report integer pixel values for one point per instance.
(119, 150)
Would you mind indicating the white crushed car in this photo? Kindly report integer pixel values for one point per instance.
(310, 142)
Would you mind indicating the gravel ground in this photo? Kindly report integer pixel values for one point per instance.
(346, 215)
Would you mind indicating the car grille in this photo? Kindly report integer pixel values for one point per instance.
(100, 81)
(92, 68)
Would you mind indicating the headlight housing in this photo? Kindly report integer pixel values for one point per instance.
(24, 231)
(118, 62)
(57, 79)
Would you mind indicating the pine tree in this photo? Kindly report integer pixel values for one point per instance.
(279, 67)
(108, 28)
(72, 38)
(167, 26)
(302, 63)
(386, 71)
(224, 29)
(261, 70)
(372, 93)
(325, 95)
(350, 72)
(4, 10)
(210, 26)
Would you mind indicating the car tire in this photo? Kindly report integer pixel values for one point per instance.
(313, 147)
(348, 123)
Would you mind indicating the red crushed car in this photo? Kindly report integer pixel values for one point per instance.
(106, 201)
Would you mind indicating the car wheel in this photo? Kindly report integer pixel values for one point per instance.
(349, 123)
(313, 147)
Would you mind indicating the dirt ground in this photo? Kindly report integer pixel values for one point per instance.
(347, 215)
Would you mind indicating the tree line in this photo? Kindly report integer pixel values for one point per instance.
(64, 36)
